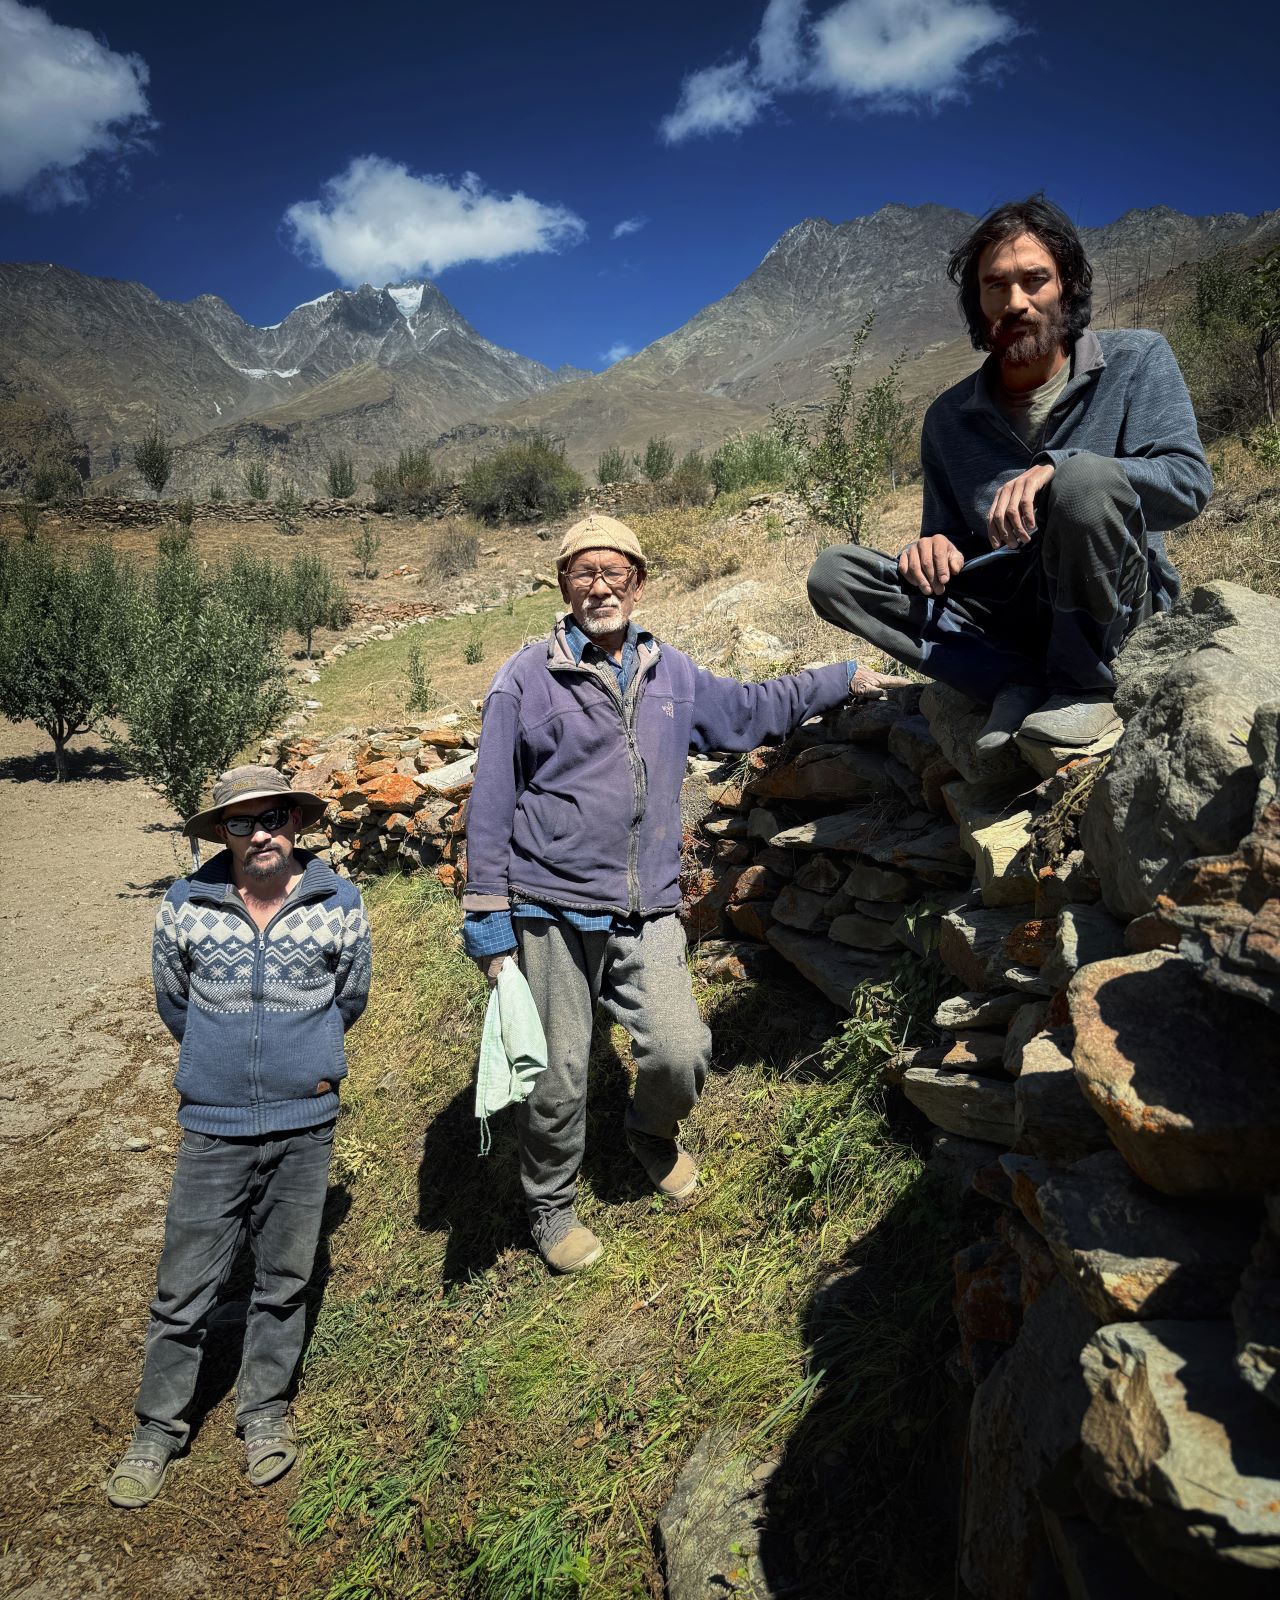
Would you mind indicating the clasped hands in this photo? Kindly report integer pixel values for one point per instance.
(930, 563)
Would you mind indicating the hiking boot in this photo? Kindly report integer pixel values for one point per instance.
(138, 1474)
(1011, 706)
(1073, 720)
(564, 1244)
(671, 1170)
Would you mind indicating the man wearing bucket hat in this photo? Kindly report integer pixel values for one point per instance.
(261, 962)
(573, 860)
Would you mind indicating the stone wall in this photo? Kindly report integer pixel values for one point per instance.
(1105, 1081)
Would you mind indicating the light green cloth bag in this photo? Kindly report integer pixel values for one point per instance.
(513, 1048)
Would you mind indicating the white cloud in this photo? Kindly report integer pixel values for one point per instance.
(887, 54)
(890, 49)
(628, 225)
(722, 99)
(377, 222)
(616, 352)
(64, 96)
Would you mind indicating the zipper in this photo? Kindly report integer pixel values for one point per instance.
(639, 776)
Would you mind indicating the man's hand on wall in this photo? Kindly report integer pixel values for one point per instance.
(1012, 518)
(930, 563)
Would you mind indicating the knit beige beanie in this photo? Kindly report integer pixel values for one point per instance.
(598, 532)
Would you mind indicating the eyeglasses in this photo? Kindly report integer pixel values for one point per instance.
(616, 577)
(272, 821)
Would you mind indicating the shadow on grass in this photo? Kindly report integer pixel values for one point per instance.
(224, 1345)
(85, 762)
(864, 1498)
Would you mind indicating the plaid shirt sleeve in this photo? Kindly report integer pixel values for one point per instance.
(487, 933)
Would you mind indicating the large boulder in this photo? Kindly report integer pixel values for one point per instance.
(1225, 913)
(1186, 1080)
(1023, 1425)
(1133, 1254)
(962, 1103)
(1179, 1457)
(1181, 781)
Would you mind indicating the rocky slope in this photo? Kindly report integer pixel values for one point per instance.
(774, 337)
(368, 369)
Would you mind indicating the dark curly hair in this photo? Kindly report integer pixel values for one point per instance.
(1055, 231)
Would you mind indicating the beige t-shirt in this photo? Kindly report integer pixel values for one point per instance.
(1028, 412)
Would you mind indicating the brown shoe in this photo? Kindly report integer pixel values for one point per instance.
(672, 1171)
(570, 1248)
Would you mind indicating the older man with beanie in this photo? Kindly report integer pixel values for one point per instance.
(261, 963)
(573, 852)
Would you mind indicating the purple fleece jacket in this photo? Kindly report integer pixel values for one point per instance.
(577, 788)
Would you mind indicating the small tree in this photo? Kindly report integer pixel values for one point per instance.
(890, 422)
(153, 458)
(204, 679)
(315, 598)
(55, 482)
(613, 466)
(365, 547)
(217, 494)
(29, 517)
(840, 471)
(658, 459)
(342, 476)
(256, 587)
(412, 485)
(257, 480)
(422, 697)
(289, 507)
(747, 459)
(62, 641)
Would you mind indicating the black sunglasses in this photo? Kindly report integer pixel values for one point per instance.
(272, 821)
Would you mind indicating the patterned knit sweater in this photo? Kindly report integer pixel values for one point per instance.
(260, 1016)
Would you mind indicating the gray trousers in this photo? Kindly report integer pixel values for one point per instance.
(641, 977)
(1053, 614)
(273, 1188)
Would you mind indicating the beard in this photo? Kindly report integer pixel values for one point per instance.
(596, 624)
(1024, 340)
(266, 863)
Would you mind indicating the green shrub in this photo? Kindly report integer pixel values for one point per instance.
(341, 475)
(29, 517)
(217, 494)
(1264, 447)
(689, 484)
(658, 459)
(747, 459)
(422, 697)
(314, 597)
(365, 547)
(613, 466)
(184, 512)
(256, 587)
(524, 482)
(289, 506)
(257, 480)
(62, 640)
(473, 649)
(412, 486)
(54, 482)
(153, 458)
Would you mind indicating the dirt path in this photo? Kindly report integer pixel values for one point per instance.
(87, 1142)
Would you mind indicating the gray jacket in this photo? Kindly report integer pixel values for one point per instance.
(1125, 399)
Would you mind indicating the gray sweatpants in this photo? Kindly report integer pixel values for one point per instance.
(641, 977)
(1053, 614)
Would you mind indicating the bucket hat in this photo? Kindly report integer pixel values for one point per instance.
(250, 783)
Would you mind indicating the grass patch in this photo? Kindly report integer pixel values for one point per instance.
(478, 1428)
(371, 685)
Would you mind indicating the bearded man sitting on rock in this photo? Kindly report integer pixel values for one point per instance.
(1050, 475)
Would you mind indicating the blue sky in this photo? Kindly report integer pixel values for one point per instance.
(267, 152)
